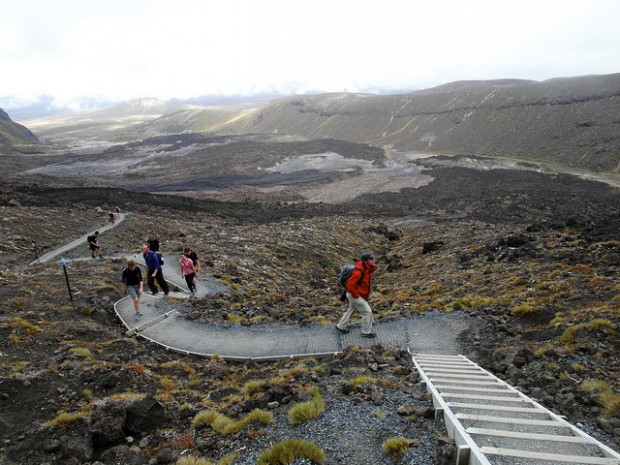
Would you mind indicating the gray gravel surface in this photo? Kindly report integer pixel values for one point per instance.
(353, 432)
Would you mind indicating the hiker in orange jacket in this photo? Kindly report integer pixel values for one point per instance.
(358, 293)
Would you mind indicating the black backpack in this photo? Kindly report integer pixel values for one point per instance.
(160, 257)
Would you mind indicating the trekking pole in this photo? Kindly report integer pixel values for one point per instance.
(36, 251)
(63, 262)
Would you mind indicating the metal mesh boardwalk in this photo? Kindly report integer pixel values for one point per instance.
(493, 423)
(163, 322)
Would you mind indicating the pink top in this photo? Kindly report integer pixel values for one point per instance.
(187, 266)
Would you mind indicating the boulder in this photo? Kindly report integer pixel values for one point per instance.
(145, 415)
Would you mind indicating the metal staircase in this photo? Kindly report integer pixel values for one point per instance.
(493, 423)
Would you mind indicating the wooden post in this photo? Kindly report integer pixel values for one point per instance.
(63, 262)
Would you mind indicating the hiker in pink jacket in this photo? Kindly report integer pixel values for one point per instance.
(188, 272)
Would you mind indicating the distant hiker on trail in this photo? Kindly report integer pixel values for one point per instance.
(93, 244)
(111, 217)
(358, 293)
(132, 284)
(188, 272)
(194, 257)
(154, 271)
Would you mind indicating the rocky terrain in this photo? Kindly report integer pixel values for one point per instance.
(530, 258)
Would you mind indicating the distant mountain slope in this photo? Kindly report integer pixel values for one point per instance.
(14, 135)
(571, 121)
(131, 121)
(574, 122)
(16, 141)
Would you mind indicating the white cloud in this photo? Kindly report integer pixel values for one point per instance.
(124, 49)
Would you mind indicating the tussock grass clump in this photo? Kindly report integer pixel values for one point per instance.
(607, 398)
(380, 415)
(462, 303)
(226, 425)
(322, 320)
(233, 318)
(607, 245)
(570, 333)
(167, 384)
(254, 386)
(397, 447)
(524, 309)
(105, 287)
(293, 372)
(81, 352)
(64, 419)
(228, 459)
(173, 364)
(127, 396)
(361, 380)
(304, 411)
(193, 460)
(287, 451)
(22, 325)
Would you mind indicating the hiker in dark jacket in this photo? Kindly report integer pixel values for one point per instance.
(93, 245)
(154, 271)
(132, 284)
(358, 293)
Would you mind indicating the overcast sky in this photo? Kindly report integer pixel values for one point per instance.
(122, 49)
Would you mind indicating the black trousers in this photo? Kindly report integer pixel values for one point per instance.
(160, 279)
(189, 279)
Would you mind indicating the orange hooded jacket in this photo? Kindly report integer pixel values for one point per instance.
(358, 284)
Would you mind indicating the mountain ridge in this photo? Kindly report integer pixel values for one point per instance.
(13, 134)
(571, 121)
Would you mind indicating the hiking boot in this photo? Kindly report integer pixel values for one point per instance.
(369, 335)
(342, 331)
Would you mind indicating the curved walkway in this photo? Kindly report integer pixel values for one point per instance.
(164, 323)
(81, 241)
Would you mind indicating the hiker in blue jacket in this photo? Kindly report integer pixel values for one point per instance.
(154, 271)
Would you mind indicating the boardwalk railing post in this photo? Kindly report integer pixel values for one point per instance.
(63, 262)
